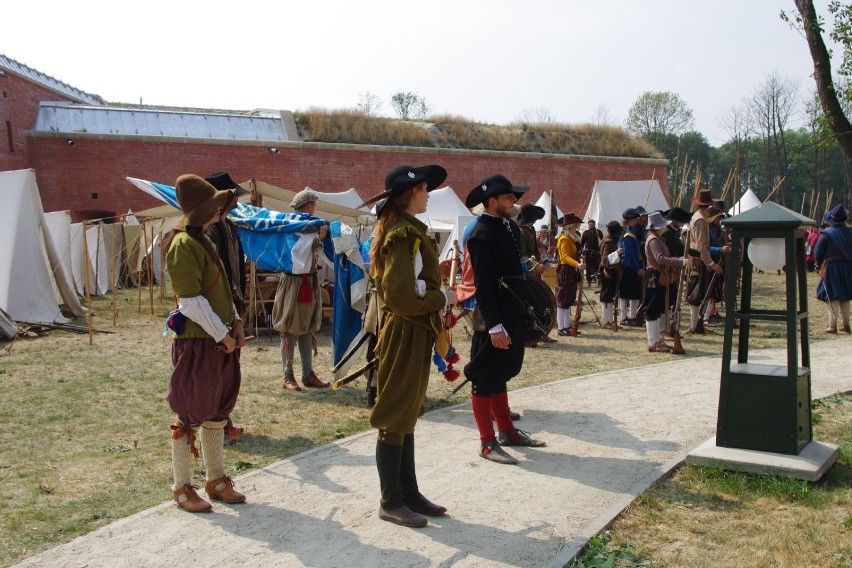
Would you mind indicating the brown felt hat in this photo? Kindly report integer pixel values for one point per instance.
(569, 219)
(703, 199)
(199, 200)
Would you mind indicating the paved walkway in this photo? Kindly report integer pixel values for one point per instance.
(609, 436)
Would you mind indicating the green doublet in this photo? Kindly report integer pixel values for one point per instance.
(406, 336)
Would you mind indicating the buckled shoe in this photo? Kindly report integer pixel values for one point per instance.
(222, 489)
(187, 499)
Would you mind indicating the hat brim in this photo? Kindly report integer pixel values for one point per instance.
(475, 198)
(535, 213)
(665, 223)
(205, 211)
(434, 175)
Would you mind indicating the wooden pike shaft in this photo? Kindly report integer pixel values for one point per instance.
(777, 185)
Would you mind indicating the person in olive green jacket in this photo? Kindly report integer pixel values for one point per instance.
(404, 265)
(205, 382)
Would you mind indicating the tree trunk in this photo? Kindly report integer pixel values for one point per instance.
(837, 120)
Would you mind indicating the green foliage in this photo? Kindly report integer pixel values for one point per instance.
(659, 113)
(601, 552)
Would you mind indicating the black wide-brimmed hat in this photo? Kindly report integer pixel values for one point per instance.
(614, 228)
(221, 180)
(530, 214)
(641, 210)
(569, 219)
(402, 178)
(677, 214)
(492, 186)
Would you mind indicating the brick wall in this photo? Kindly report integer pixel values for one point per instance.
(19, 99)
(90, 174)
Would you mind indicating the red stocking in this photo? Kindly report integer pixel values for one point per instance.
(482, 414)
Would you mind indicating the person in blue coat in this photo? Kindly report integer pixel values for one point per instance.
(833, 251)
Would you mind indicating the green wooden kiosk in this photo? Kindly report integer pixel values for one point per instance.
(766, 407)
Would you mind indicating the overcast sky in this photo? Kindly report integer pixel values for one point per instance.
(484, 60)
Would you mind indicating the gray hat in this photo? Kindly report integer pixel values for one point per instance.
(304, 197)
(656, 221)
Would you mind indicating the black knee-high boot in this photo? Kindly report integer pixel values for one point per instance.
(391, 508)
(411, 495)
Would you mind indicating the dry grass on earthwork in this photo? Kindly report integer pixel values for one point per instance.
(84, 428)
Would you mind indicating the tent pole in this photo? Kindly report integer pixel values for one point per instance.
(139, 287)
(86, 284)
(114, 279)
(162, 266)
(151, 274)
(253, 294)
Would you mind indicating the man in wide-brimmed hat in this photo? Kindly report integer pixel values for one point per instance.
(834, 252)
(528, 215)
(497, 348)
(206, 379)
(297, 311)
(702, 273)
(656, 281)
(569, 271)
(224, 235)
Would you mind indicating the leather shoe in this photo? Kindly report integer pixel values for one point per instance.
(222, 489)
(519, 438)
(846, 329)
(493, 452)
(422, 505)
(313, 381)
(402, 515)
(188, 499)
(291, 384)
(514, 416)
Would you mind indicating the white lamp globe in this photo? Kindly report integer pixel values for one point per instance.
(767, 254)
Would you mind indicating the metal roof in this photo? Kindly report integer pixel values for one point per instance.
(71, 118)
(75, 94)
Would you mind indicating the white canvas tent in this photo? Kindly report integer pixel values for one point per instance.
(104, 245)
(8, 328)
(748, 201)
(28, 259)
(610, 198)
(279, 199)
(348, 198)
(544, 203)
(459, 226)
(58, 225)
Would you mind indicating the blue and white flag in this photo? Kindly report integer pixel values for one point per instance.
(269, 237)
(350, 289)
(165, 193)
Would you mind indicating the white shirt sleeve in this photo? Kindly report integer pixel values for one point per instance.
(198, 309)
